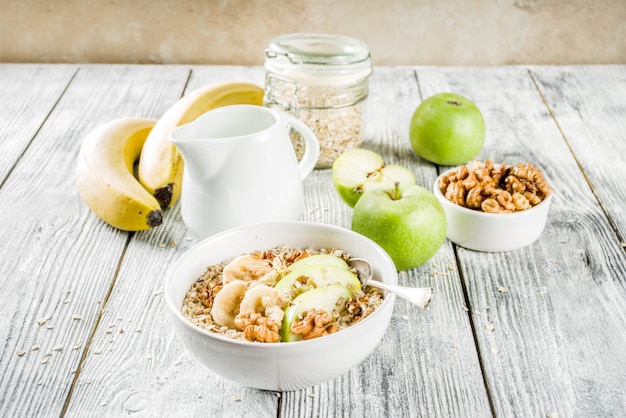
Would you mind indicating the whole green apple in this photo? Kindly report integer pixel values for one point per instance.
(359, 169)
(407, 221)
(447, 129)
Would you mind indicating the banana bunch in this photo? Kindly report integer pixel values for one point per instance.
(106, 163)
(105, 175)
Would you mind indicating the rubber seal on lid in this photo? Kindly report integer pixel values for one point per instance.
(318, 58)
(320, 49)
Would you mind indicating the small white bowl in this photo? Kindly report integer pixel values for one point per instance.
(279, 366)
(492, 232)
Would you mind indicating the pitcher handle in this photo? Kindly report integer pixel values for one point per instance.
(312, 150)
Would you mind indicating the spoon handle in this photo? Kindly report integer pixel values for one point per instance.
(420, 296)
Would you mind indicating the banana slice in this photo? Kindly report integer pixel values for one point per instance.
(250, 268)
(227, 302)
(266, 300)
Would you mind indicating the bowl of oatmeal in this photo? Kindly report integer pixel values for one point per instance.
(275, 306)
(494, 207)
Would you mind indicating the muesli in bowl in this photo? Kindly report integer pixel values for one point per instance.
(280, 295)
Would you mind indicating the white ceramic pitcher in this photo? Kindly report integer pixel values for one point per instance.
(241, 168)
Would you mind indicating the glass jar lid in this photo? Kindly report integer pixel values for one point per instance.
(318, 59)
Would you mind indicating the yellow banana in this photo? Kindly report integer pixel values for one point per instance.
(161, 165)
(105, 175)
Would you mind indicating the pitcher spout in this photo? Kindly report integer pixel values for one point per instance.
(204, 154)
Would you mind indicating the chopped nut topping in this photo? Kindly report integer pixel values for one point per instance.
(208, 292)
(295, 256)
(357, 307)
(256, 327)
(314, 324)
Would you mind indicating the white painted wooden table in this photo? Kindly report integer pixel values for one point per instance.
(82, 317)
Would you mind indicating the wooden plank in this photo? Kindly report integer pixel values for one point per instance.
(559, 329)
(29, 93)
(145, 369)
(426, 365)
(588, 103)
(60, 259)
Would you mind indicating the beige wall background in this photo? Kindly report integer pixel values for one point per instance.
(399, 32)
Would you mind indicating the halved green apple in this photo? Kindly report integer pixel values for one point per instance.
(327, 298)
(359, 169)
(318, 275)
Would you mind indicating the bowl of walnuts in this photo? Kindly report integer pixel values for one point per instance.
(494, 207)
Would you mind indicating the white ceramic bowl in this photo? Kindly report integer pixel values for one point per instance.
(279, 366)
(492, 232)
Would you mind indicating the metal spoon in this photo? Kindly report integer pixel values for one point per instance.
(419, 296)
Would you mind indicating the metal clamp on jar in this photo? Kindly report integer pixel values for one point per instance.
(322, 80)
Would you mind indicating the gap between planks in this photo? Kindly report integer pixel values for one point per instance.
(104, 304)
(580, 166)
(96, 325)
(43, 122)
(465, 292)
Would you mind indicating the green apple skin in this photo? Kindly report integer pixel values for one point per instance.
(320, 276)
(327, 298)
(447, 129)
(358, 170)
(408, 223)
(323, 259)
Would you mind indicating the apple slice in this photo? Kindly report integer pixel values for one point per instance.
(359, 169)
(323, 259)
(327, 298)
(318, 275)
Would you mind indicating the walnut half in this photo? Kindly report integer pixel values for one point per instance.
(257, 327)
(315, 323)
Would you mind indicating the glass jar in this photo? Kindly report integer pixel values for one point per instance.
(322, 80)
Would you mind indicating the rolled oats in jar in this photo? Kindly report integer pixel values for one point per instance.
(323, 80)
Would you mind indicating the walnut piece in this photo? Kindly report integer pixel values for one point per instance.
(295, 256)
(256, 327)
(357, 307)
(208, 292)
(314, 324)
(495, 188)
